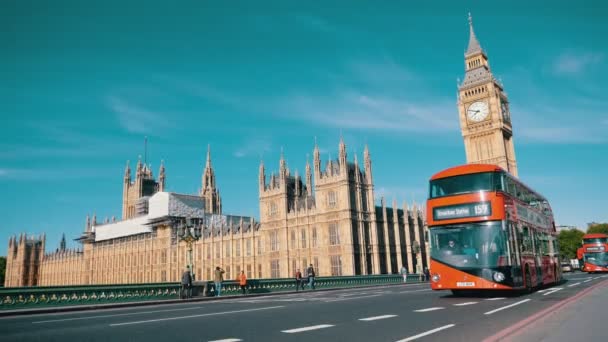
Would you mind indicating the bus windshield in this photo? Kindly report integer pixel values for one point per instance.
(485, 181)
(598, 259)
(595, 240)
(470, 245)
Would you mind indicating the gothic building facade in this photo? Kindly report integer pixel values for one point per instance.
(333, 224)
(330, 220)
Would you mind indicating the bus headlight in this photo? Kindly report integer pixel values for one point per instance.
(435, 278)
(498, 276)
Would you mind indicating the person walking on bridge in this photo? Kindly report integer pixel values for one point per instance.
(218, 279)
(299, 282)
(243, 282)
(311, 276)
(185, 292)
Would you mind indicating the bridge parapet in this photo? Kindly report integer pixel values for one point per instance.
(35, 297)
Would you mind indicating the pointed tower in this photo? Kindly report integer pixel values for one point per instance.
(317, 162)
(367, 161)
(342, 156)
(87, 225)
(62, 244)
(282, 168)
(483, 105)
(161, 176)
(208, 189)
(125, 190)
(262, 177)
(308, 177)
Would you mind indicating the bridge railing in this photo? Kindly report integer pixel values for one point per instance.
(33, 297)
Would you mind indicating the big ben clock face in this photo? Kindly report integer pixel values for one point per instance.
(478, 111)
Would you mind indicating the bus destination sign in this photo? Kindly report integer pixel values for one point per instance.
(462, 211)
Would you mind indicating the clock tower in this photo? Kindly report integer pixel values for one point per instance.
(485, 118)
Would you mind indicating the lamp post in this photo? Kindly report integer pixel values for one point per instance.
(189, 232)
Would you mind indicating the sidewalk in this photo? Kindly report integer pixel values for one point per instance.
(583, 319)
(69, 308)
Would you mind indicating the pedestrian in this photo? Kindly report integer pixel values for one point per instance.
(243, 282)
(299, 282)
(218, 279)
(427, 274)
(404, 274)
(186, 284)
(311, 276)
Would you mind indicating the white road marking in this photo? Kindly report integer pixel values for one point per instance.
(543, 290)
(430, 309)
(228, 340)
(586, 281)
(506, 307)
(192, 316)
(574, 284)
(467, 303)
(496, 298)
(349, 298)
(553, 290)
(314, 327)
(377, 317)
(426, 333)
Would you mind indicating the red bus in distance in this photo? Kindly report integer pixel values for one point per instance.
(593, 255)
(489, 231)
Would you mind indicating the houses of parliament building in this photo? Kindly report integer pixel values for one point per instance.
(327, 217)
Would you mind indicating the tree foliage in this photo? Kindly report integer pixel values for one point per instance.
(598, 228)
(2, 270)
(569, 242)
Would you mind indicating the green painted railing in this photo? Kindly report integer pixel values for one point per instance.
(33, 297)
(24, 297)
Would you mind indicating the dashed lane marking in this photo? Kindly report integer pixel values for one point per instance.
(588, 280)
(574, 284)
(506, 307)
(553, 290)
(430, 309)
(313, 327)
(464, 304)
(426, 333)
(228, 340)
(375, 318)
(496, 298)
(193, 316)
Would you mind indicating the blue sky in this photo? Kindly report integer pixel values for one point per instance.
(82, 84)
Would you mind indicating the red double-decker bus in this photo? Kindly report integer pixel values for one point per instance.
(489, 231)
(593, 255)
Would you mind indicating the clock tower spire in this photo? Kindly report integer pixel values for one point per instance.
(483, 105)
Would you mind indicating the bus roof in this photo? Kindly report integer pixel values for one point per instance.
(466, 169)
(595, 236)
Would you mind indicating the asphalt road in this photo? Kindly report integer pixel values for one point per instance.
(389, 313)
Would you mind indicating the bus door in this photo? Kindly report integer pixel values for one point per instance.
(514, 249)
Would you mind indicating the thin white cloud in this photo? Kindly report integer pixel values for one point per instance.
(570, 63)
(50, 174)
(355, 110)
(253, 147)
(136, 119)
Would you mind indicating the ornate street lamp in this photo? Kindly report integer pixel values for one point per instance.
(189, 232)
